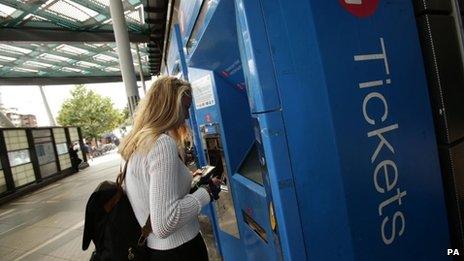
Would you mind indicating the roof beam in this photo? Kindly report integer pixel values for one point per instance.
(34, 7)
(62, 80)
(104, 10)
(73, 63)
(63, 36)
(51, 16)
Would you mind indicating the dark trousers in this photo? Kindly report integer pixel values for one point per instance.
(75, 163)
(194, 249)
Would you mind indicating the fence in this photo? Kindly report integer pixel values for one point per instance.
(34, 157)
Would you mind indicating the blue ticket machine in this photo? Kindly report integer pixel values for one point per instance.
(223, 119)
(348, 166)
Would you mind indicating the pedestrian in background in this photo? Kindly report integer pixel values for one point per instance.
(75, 160)
(86, 150)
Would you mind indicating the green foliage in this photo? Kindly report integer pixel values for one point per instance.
(127, 119)
(92, 112)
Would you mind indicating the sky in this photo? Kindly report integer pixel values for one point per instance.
(28, 100)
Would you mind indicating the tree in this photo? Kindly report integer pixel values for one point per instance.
(92, 112)
(127, 119)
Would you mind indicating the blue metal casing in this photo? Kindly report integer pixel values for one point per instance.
(217, 57)
(356, 122)
(336, 92)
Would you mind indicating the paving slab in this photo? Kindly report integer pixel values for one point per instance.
(48, 223)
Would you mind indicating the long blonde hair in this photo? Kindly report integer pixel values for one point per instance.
(160, 111)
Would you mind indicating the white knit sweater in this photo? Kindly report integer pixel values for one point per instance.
(158, 184)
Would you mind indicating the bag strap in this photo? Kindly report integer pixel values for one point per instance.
(146, 229)
(122, 175)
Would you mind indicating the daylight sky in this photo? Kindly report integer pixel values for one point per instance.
(27, 99)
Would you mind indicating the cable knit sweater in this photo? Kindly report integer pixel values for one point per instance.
(158, 184)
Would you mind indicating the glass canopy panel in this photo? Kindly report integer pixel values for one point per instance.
(72, 10)
(89, 15)
(6, 58)
(21, 59)
(6, 11)
(71, 59)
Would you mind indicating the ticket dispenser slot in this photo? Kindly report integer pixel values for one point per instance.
(251, 166)
(224, 206)
(259, 230)
(259, 237)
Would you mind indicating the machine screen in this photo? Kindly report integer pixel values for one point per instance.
(250, 167)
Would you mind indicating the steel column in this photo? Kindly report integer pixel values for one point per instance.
(125, 56)
(51, 120)
(142, 79)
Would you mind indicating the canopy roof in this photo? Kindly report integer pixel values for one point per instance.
(71, 41)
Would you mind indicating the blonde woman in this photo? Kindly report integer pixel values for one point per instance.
(157, 181)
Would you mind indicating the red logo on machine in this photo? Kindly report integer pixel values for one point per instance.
(360, 8)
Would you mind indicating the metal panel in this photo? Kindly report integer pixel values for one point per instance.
(445, 71)
(357, 122)
(180, 49)
(213, 114)
(188, 11)
(253, 202)
(452, 159)
(431, 6)
(217, 48)
(256, 57)
(173, 53)
(280, 188)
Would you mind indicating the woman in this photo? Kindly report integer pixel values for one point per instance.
(157, 181)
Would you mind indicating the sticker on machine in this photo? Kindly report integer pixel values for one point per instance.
(203, 93)
(360, 8)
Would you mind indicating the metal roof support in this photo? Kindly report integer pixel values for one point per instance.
(51, 120)
(140, 69)
(60, 80)
(125, 56)
(62, 36)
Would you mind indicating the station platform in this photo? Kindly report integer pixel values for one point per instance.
(48, 223)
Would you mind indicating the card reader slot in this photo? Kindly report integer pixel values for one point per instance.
(255, 226)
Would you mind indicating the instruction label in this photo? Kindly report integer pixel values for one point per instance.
(203, 94)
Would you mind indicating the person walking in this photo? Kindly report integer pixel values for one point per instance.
(157, 183)
(86, 150)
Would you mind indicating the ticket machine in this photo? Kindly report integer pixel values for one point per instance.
(223, 118)
(343, 130)
(330, 153)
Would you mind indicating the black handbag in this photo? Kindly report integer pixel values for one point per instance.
(111, 224)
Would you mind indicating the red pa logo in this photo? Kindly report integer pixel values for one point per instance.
(360, 8)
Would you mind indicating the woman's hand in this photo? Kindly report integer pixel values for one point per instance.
(216, 181)
(196, 172)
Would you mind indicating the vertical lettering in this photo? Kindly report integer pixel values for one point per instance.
(389, 240)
